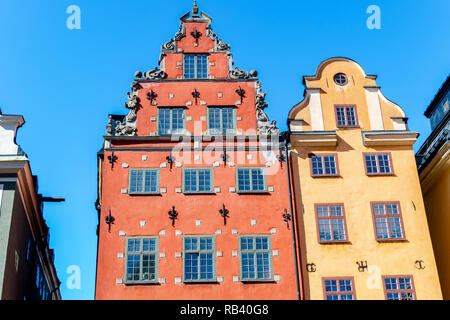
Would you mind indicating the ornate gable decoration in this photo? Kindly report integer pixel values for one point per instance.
(126, 125)
(171, 45)
(265, 126)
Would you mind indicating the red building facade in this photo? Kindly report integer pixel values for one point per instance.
(193, 194)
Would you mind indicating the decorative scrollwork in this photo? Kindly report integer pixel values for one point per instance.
(242, 74)
(362, 266)
(222, 46)
(420, 265)
(181, 33)
(154, 74)
(287, 217)
(173, 215)
(265, 127)
(311, 267)
(224, 213)
(169, 46)
(109, 219)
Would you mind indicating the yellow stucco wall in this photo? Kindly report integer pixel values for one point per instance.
(356, 190)
(437, 203)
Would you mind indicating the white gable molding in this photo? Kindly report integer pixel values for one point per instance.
(374, 108)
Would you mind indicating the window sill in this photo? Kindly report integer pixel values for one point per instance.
(253, 281)
(141, 283)
(391, 240)
(253, 192)
(214, 281)
(326, 176)
(335, 242)
(380, 174)
(144, 194)
(348, 127)
(199, 193)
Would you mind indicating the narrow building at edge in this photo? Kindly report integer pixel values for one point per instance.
(433, 162)
(361, 215)
(193, 196)
(27, 270)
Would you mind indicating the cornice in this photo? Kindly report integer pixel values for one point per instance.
(313, 139)
(436, 167)
(389, 138)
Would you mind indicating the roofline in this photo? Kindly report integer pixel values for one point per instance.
(338, 58)
(437, 98)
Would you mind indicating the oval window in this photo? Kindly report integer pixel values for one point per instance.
(340, 79)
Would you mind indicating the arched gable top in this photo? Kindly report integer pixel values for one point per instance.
(342, 81)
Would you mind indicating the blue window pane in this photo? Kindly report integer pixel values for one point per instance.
(338, 289)
(199, 259)
(251, 180)
(144, 181)
(171, 121)
(332, 228)
(317, 165)
(329, 164)
(255, 258)
(371, 164)
(141, 259)
(351, 117)
(195, 66)
(341, 116)
(388, 221)
(384, 164)
(221, 120)
(197, 180)
(399, 288)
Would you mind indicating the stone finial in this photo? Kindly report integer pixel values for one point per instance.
(195, 10)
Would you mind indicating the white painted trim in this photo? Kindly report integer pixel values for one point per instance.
(315, 108)
(399, 124)
(8, 180)
(374, 108)
(296, 125)
(391, 103)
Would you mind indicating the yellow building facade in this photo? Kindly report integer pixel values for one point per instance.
(433, 161)
(361, 220)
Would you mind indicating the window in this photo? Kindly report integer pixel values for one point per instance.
(340, 79)
(388, 222)
(171, 121)
(195, 66)
(331, 224)
(251, 180)
(141, 264)
(399, 288)
(440, 111)
(198, 180)
(324, 165)
(30, 249)
(41, 283)
(255, 258)
(338, 289)
(199, 259)
(144, 181)
(221, 120)
(378, 164)
(346, 116)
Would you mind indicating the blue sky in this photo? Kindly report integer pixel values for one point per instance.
(66, 82)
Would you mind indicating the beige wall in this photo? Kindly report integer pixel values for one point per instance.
(437, 202)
